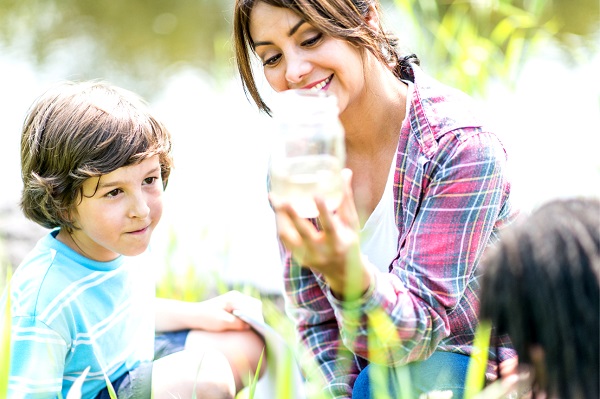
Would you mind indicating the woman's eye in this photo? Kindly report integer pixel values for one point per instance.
(150, 180)
(313, 40)
(272, 60)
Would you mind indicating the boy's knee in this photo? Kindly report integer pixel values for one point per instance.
(208, 374)
(213, 390)
(215, 379)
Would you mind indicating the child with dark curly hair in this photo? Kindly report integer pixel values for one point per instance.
(541, 287)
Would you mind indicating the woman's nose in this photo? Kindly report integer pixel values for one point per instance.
(297, 68)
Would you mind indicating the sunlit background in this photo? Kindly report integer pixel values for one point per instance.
(532, 65)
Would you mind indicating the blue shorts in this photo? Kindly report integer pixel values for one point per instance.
(443, 371)
(137, 383)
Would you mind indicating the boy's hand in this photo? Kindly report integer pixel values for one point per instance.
(217, 312)
(214, 314)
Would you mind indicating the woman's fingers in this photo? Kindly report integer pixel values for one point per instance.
(286, 229)
(343, 217)
(322, 248)
(347, 210)
(326, 222)
(296, 234)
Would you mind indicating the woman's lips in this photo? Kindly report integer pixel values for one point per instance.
(321, 85)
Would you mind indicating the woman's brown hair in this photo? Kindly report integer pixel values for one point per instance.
(342, 19)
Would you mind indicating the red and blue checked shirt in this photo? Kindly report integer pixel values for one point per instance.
(451, 197)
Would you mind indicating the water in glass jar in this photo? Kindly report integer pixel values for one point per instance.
(297, 180)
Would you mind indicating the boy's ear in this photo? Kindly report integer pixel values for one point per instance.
(372, 18)
(68, 215)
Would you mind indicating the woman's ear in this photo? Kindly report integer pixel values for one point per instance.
(373, 17)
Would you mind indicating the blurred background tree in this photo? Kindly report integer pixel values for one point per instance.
(470, 43)
(178, 55)
(464, 43)
(138, 41)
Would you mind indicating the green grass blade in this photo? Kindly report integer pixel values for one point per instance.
(5, 340)
(285, 383)
(404, 383)
(252, 387)
(75, 391)
(110, 388)
(382, 337)
(196, 379)
(478, 363)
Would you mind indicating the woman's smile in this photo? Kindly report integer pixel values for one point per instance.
(322, 85)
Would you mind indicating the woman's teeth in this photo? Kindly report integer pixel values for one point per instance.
(319, 86)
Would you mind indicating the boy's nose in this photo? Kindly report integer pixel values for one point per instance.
(139, 207)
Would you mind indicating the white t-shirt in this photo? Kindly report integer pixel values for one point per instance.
(380, 230)
(379, 235)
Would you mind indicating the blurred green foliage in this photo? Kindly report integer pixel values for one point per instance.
(468, 43)
(143, 42)
(139, 40)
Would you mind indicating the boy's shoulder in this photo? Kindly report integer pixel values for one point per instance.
(40, 278)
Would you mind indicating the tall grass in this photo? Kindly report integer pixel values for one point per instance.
(195, 285)
(5, 340)
(479, 358)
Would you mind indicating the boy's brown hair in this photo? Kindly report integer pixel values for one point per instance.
(78, 130)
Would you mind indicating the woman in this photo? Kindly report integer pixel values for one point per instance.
(426, 192)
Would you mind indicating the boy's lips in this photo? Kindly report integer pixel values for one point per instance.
(139, 231)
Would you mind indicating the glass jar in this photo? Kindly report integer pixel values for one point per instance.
(308, 152)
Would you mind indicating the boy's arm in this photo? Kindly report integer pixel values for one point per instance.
(211, 315)
(37, 360)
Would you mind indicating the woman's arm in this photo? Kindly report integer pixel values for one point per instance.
(457, 197)
(324, 359)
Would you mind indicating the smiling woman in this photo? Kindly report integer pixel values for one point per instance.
(426, 190)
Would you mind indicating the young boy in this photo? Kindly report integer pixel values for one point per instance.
(94, 164)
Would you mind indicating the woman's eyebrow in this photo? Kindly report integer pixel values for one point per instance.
(290, 33)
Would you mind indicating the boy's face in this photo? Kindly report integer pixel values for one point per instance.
(118, 212)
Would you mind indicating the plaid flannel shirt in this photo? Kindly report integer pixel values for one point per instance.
(451, 197)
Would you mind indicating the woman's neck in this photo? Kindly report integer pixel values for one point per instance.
(373, 121)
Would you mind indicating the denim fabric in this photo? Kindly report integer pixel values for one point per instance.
(443, 371)
(137, 383)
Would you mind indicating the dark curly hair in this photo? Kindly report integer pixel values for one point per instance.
(540, 286)
(78, 130)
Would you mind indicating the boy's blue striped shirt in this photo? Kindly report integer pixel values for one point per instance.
(69, 312)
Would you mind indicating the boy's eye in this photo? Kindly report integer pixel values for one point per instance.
(113, 193)
(150, 180)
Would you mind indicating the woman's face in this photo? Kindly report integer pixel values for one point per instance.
(296, 55)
